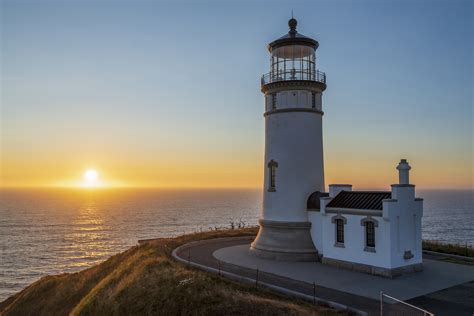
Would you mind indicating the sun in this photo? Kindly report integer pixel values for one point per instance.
(91, 177)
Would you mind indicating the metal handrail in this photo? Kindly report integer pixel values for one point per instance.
(382, 294)
(293, 74)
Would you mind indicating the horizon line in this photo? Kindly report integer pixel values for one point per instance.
(150, 187)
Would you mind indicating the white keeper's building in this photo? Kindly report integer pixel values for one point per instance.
(377, 232)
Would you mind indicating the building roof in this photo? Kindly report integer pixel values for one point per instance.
(362, 200)
(313, 200)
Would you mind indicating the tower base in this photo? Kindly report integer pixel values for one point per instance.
(284, 241)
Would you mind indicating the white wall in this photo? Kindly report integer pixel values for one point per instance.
(316, 230)
(354, 241)
(404, 213)
(294, 140)
(398, 230)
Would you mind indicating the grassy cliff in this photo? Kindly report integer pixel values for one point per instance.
(145, 280)
(454, 249)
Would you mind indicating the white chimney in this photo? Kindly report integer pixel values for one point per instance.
(403, 172)
(334, 189)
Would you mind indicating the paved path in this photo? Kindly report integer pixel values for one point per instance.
(458, 300)
(436, 275)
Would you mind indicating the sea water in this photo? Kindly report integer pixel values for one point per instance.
(51, 231)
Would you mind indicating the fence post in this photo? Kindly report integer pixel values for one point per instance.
(256, 279)
(381, 303)
(314, 293)
(219, 266)
(189, 258)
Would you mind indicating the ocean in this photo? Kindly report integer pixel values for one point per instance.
(51, 231)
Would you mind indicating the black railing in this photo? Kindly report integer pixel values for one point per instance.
(294, 74)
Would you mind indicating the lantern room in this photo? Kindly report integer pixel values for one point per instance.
(293, 57)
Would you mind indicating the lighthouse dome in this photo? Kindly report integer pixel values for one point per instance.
(293, 38)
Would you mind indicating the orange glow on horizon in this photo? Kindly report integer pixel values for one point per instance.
(380, 177)
(219, 170)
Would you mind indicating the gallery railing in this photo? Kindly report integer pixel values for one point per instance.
(293, 74)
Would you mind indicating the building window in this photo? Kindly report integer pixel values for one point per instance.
(339, 222)
(339, 231)
(272, 165)
(369, 225)
(370, 234)
(274, 101)
(313, 100)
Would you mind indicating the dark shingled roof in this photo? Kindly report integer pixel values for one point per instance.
(313, 200)
(362, 200)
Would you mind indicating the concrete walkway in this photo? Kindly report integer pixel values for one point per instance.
(437, 275)
(454, 300)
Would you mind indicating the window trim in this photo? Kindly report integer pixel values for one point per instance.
(335, 220)
(363, 222)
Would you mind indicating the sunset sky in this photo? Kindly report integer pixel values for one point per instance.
(167, 94)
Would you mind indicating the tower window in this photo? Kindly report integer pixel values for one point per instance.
(369, 234)
(274, 101)
(272, 165)
(313, 99)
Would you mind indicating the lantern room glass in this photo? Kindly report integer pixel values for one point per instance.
(293, 62)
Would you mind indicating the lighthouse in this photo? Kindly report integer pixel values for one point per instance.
(293, 165)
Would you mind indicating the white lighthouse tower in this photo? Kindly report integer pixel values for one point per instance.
(294, 166)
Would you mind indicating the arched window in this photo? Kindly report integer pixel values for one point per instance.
(369, 234)
(339, 222)
(369, 226)
(339, 231)
(272, 165)
(274, 101)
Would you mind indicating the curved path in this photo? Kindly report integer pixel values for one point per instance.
(201, 252)
(458, 300)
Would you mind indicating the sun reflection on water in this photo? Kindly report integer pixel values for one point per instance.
(88, 240)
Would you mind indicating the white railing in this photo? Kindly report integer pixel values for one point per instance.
(293, 74)
(382, 295)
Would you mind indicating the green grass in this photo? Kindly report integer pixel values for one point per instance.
(144, 280)
(454, 249)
